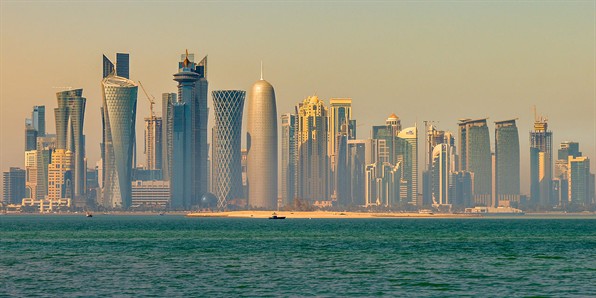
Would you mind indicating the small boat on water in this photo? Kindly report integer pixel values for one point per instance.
(274, 216)
(88, 214)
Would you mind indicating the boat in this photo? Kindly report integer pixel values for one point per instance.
(88, 214)
(274, 216)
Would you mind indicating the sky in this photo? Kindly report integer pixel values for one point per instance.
(422, 60)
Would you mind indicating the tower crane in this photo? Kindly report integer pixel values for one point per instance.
(151, 100)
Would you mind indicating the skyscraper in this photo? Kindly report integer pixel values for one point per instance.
(31, 173)
(153, 142)
(507, 163)
(168, 99)
(568, 148)
(340, 114)
(408, 146)
(13, 183)
(579, 180)
(60, 178)
(70, 116)
(289, 158)
(45, 146)
(121, 68)
(39, 120)
(30, 135)
(475, 157)
(119, 115)
(443, 165)
(227, 169)
(541, 156)
(313, 160)
(261, 141)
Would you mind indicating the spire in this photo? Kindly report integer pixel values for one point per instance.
(186, 61)
(261, 70)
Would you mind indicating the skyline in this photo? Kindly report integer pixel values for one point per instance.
(520, 55)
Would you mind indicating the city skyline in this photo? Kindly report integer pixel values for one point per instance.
(565, 97)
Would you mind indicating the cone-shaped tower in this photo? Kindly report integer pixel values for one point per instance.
(262, 145)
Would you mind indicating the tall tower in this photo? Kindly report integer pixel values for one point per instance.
(261, 140)
(579, 180)
(60, 175)
(39, 120)
(70, 116)
(289, 158)
(227, 168)
(313, 160)
(168, 99)
(153, 142)
(409, 155)
(13, 184)
(119, 116)
(183, 172)
(507, 161)
(475, 157)
(443, 165)
(121, 68)
(30, 135)
(541, 156)
(340, 114)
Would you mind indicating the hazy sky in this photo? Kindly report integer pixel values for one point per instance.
(429, 60)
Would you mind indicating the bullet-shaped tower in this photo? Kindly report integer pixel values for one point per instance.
(261, 144)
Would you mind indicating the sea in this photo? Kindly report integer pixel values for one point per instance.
(176, 256)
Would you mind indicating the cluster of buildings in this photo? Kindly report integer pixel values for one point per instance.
(324, 163)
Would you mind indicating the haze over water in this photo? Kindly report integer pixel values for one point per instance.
(171, 256)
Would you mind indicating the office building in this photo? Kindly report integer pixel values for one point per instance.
(408, 155)
(120, 69)
(30, 135)
(119, 115)
(227, 170)
(31, 173)
(579, 180)
(541, 156)
(568, 148)
(443, 165)
(13, 184)
(153, 142)
(312, 145)
(70, 116)
(38, 116)
(261, 142)
(507, 161)
(475, 157)
(289, 158)
(149, 195)
(60, 175)
(168, 100)
(45, 146)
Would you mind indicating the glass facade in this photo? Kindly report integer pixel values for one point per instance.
(475, 157)
(507, 160)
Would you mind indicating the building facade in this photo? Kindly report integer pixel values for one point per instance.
(475, 157)
(227, 169)
(13, 184)
(507, 161)
(261, 142)
(153, 142)
(119, 115)
(541, 156)
(60, 175)
(289, 158)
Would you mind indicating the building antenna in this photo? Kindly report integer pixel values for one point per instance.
(261, 70)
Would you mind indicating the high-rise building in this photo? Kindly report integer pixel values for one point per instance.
(45, 146)
(560, 187)
(13, 183)
(360, 154)
(390, 149)
(507, 161)
(434, 137)
(119, 116)
(340, 114)
(121, 68)
(60, 175)
(568, 148)
(153, 142)
(192, 94)
(227, 169)
(31, 175)
(70, 115)
(443, 165)
(168, 99)
(39, 120)
(408, 146)
(289, 158)
(475, 157)
(261, 141)
(30, 135)
(541, 156)
(313, 160)
(579, 180)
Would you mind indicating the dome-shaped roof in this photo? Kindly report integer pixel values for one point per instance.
(208, 200)
(314, 99)
(393, 116)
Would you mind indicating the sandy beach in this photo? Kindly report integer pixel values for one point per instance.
(323, 214)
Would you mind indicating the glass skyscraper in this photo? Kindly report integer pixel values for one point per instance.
(475, 157)
(119, 115)
(289, 158)
(507, 161)
(122, 66)
(541, 156)
(227, 168)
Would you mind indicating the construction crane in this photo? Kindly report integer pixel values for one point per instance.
(151, 100)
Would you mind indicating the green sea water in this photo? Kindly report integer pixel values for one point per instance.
(174, 256)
